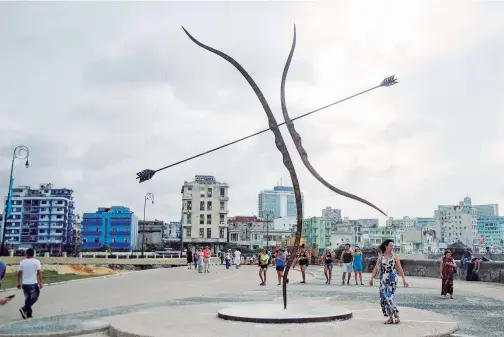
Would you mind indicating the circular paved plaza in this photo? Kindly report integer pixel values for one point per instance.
(185, 303)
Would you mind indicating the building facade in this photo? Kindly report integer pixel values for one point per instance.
(486, 210)
(373, 237)
(331, 213)
(425, 222)
(401, 225)
(318, 231)
(490, 231)
(205, 213)
(280, 201)
(114, 227)
(151, 233)
(172, 232)
(41, 218)
(347, 231)
(249, 231)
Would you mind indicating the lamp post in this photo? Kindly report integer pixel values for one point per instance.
(20, 152)
(268, 215)
(148, 196)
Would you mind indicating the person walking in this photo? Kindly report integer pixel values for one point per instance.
(189, 257)
(280, 261)
(302, 258)
(358, 265)
(228, 259)
(388, 264)
(446, 271)
(196, 256)
(263, 265)
(237, 258)
(328, 258)
(206, 258)
(30, 280)
(346, 259)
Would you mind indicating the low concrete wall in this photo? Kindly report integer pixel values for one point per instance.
(102, 261)
(489, 271)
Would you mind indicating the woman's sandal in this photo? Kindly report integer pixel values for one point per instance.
(397, 320)
(390, 320)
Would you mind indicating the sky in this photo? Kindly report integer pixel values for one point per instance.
(101, 90)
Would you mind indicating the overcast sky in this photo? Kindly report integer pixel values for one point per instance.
(100, 91)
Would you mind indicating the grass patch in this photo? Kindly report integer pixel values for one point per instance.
(49, 276)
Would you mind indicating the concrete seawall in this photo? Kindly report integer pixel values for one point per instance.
(489, 271)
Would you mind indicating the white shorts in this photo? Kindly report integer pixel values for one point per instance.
(347, 267)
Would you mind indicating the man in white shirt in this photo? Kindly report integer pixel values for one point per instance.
(30, 279)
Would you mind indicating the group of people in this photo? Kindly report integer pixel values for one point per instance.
(200, 258)
(29, 278)
(350, 260)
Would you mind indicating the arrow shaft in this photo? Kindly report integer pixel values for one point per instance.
(265, 130)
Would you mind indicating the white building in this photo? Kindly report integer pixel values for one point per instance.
(373, 237)
(204, 213)
(347, 231)
(254, 233)
(172, 231)
(401, 225)
(456, 223)
(285, 223)
(368, 223)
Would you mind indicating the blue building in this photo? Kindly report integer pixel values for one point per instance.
(281, 201)
(115, 227)
(41, 218)
(490, 230)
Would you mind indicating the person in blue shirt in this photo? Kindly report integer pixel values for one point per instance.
(281, 260)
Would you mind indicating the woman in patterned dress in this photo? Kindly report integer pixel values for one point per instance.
(389, 264)
(446, 271)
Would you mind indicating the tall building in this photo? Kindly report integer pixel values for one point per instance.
(490, 231)
(331, 213)
(280, 201)
(486, 210)
(115, 227)
(204, 213)
(41, 218)
(456, 223)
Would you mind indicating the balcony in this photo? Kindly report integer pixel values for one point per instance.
(223, 210)
(120, 233)
(90, 245)
(91, 233)
(223, 198)
(120, 223)
(120, 244)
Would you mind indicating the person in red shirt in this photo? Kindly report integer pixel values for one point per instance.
(206, 259)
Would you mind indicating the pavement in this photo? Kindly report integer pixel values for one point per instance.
(96, 303)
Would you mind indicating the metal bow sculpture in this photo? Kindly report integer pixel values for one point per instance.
(281, 146)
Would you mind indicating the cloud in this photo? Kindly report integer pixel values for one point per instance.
(100, 91)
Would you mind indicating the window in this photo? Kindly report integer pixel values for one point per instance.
(189, 205)
(234, 237)
(222, 205)
(209, 233)
(202, 193)
(201, 232)
(209, 192)
(113, 240)
(209, 219)
(126, 229)
(221, 233)
(202, 206)
(97, 229)
(96, 240)
(189, 188)
(189, 218)
(114, 229)
(188, 232)
(126, 240)
(222, 192)
(202, 219)
(209, 205)
(84, 240)
(221, 219)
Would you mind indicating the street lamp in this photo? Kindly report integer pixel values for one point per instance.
(20, 152)
(268, 215)
(148, 196)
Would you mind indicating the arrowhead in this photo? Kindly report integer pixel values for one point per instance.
(145, 175)
(388, 81)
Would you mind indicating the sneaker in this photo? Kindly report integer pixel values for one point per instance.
(23, 313)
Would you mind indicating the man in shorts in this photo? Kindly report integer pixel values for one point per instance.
(206, 258)
(346, 259)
